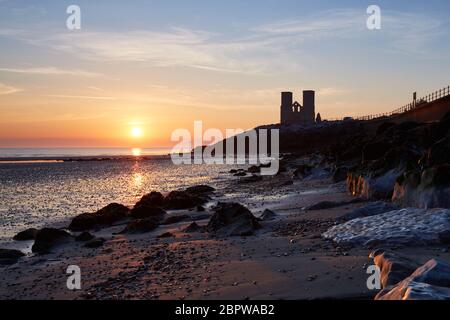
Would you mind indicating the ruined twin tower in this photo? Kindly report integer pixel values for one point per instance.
(293, 113)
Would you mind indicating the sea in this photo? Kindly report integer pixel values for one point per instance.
(39, 189)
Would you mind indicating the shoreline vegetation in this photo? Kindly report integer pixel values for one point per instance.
(347, 196)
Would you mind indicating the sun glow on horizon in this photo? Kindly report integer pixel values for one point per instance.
(136, 152)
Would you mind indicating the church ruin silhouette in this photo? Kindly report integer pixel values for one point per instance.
(293, 113)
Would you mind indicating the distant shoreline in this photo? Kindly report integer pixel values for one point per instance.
(53, 159)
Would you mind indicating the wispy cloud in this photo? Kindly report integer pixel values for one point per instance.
(64, 96)
(270, 48)
(5, 89)
(52, 71)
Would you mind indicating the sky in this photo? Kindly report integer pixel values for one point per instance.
(159, 65)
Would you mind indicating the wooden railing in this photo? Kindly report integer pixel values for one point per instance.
(410, 106)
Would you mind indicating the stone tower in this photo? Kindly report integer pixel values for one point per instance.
(293, 113)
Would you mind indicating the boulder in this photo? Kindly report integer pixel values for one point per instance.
(376, 187)
(175, 219)
(166, 235)
(429, 282)
(28, 234)
(144, 212)
(408, 227)
(193, 227)
(254, 169)
(394, 267)
(153, 199)
(240, 174)
(232, 219)
(141, 226)
(104, 217)
(48, 238)
(177, 200)
(84, 236)
(200, 189)
(371, 209)
(94, 243)
(9, 256)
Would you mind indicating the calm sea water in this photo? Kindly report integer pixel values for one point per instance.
(39, 194)
(37, 153)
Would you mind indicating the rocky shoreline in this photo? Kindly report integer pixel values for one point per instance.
(310, 232)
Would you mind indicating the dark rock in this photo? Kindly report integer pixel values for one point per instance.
(175, 219)
(233, 171)
(166, 235)
(84, 236)
(240, 174)
(28, 234)
(371, 209)
(94, 243)
(444, 237)
(9, 256)
(48, 238)
(143, 212)
(153, 199)
(193, 227)
(141, 226)
(268, 215)
(428, 282)
(200, 190)
(251, 179)
(394, 267)
(104, 217)
(177, 200)
(232, 219)
(254, 169)
(200, 208)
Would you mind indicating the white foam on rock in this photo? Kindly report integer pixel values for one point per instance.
(406, 226)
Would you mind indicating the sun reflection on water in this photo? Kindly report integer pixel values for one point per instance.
(136, 152)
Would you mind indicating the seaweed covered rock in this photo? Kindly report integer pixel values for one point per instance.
(232, 219)
(104, 217)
